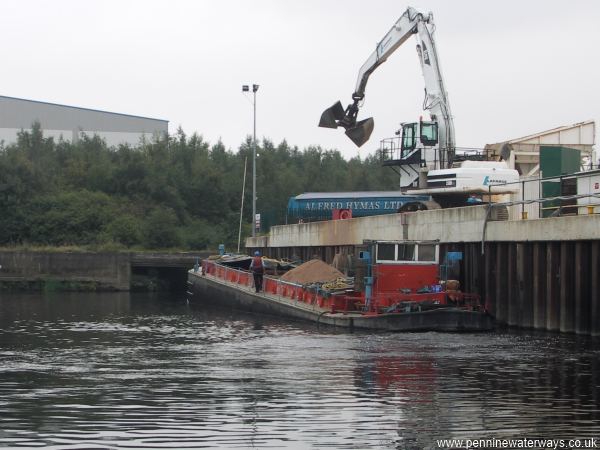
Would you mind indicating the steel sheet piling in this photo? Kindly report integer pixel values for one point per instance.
(539, 285)
(525, 280)
(582, 293)
(595, 289)
(552, 287)
(502, 283)
(567, 301)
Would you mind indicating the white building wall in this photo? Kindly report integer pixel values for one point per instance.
(69, 122)
(115, 138)
(589, 185)
(9, 135)
(529, 190)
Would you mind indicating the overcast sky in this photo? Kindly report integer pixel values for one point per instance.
(511, 68)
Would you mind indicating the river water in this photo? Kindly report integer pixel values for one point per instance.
(150, 371)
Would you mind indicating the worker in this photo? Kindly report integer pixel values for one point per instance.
(257, 268)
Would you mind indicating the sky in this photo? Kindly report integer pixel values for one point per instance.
(511, 68)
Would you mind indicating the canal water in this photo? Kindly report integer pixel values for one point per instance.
(151, 371)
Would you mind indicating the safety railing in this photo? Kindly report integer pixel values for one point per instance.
(283, 289)
(574, 194)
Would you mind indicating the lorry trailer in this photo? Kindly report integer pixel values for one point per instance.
(313, 206)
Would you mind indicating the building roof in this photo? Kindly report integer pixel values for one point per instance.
(581, 133)
(80, 108)
(558, 130)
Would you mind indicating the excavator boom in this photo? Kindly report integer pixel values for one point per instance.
(436, 102)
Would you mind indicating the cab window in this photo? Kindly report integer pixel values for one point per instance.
(429, 133)
(409, 132)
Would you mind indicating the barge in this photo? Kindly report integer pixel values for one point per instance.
(401, 288)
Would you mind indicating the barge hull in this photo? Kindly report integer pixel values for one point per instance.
(210, 290)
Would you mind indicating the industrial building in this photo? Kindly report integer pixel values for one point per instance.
(71, 122)
(523, 153)
(554, 153)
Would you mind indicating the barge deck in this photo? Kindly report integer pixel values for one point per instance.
(232, 288)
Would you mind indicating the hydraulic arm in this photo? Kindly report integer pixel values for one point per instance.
(436, 102)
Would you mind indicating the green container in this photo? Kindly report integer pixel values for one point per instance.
(554, 162)
(550, 189)
(557, 160)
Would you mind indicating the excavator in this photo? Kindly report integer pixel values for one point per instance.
(427, 148)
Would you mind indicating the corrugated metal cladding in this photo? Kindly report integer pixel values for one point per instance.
(69, 122)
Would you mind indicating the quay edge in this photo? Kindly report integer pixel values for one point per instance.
(539, 273)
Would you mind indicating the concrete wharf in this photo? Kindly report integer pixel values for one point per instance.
(103, 270)
(539, 273)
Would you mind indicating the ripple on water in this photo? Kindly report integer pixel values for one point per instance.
(153, 373)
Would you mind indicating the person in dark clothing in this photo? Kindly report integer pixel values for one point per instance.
(257, 268)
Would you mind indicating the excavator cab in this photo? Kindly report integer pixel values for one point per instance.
(414, 144)
(425, 133)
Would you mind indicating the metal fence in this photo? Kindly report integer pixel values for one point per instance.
(574, 194)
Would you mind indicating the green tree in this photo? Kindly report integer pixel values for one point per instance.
(69, 218)
(164, 193)
(124, 229)
(160, 230)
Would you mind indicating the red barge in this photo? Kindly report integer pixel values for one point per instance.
(403, 290)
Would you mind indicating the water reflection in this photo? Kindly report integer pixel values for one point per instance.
(104, 370)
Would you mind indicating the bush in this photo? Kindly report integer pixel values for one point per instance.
(161, 229)
(125, 230)
(198, 235)
(69, 218)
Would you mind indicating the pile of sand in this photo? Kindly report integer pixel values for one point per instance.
(312, 271)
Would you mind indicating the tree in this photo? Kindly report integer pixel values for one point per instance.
(160, 230)
(169, 192)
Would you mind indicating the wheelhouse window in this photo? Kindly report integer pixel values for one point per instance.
(406, 252)
(426, 252)
(386, 252)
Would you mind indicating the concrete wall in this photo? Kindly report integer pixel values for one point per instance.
(568, 228)
(106, 270)
(109, 270)
(446, 225)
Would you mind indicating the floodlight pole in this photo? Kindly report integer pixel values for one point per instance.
(254, 89)
(246, 88)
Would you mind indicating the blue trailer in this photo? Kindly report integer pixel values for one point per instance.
(312, 206)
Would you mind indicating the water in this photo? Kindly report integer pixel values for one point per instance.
(141, 371)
